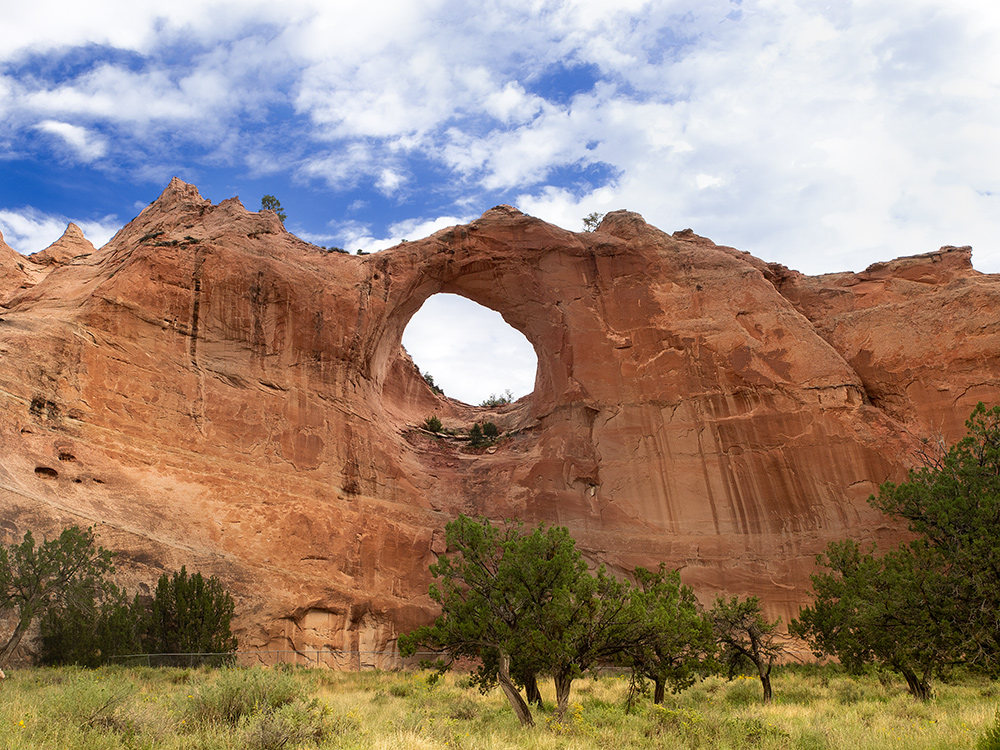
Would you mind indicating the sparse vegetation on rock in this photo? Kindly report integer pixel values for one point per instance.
(429, 379)
(592, 221)
(270, 203)
(495, 400)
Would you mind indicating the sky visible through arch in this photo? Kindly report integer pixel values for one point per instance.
(474, 355)
(822, 134)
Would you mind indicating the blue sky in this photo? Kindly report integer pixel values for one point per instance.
(825, 135)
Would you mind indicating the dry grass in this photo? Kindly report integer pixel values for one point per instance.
(225, 710)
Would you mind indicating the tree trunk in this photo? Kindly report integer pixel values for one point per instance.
(531, 690)
(15, 640)
(513, 694)
(563, 682)
(765, 681)
(919, 688)
(658, 690)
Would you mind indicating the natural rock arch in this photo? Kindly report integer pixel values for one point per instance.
(243, 397)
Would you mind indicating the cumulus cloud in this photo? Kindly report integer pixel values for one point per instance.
(28, 230)
(356, 234)
(820, 135)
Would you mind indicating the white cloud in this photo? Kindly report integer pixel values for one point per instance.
(28, 230)
(469, 349)
(358, 235)
(810, 133)
(87, 145)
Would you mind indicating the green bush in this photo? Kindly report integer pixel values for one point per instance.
(494, 400)
(285, 727)
(433, 424)
(190, 614)
(490, 431)
(238, 693)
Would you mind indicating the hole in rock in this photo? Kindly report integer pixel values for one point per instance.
(469, 350)
(45, 471)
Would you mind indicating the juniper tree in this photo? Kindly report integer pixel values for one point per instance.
(67, 569)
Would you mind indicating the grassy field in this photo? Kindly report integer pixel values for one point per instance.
(279, 708)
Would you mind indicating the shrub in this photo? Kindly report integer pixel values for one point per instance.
(490, 431)
(238, 693)
(494, 400)
(428, 378)
(592, 221)
(476, 439)
(433, 424)
(190, 614)
(288, 726)
(270, 203)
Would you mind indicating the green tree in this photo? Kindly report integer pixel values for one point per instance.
(589, 621)
(932, 602)
(433, 424)
(88, 633)
(428, 378)
(885, 609)
(494, 586)
(677, 636)
(60, 571)
(954, 505)
(494, 400)
(524, 604)
(270, 203)
(592, 221)
(746, 638)
(490, 431)
(476, 438)
(190, 614)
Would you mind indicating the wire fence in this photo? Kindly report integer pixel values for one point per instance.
(347, 661)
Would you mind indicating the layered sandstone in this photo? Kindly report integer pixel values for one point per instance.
(213, 391)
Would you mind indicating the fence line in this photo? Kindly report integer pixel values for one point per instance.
(343, 660)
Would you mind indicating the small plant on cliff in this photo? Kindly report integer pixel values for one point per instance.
(433, 424)
(429, 379)
(476, 438)
(592, 221)
(270, 203)
(490, 431)
(494, 400)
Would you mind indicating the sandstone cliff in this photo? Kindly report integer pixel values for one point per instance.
(212, 391)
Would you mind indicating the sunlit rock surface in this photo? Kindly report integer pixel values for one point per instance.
(214, 392)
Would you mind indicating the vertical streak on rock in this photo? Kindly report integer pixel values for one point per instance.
(198, 410)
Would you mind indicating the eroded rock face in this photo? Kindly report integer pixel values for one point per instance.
(214, 392)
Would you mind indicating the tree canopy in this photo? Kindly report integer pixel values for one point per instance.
(33, 579)
(678, 636)
(934, 601)
(270, 203)
(526, 603)
(187, 614)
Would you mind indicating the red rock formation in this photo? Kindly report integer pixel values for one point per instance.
(70, 246)
(16, 271)
(215, 392)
